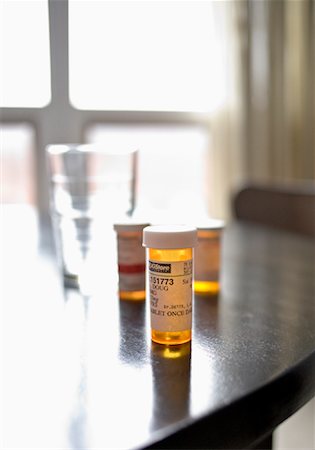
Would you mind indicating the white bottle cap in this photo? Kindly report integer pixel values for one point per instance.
(170, 236)
(211, 224)
(131, 226)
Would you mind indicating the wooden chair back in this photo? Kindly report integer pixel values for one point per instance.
(289, 207)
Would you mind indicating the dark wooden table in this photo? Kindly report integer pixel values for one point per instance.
(80, 371)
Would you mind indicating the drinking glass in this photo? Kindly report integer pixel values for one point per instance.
(91, 187)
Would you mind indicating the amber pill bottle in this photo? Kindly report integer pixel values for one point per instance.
(208, 257)
(169, 279)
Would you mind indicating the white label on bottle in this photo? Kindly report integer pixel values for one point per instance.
(131, 263)
(207, 259)
(132, 282)
(171, 295)
(130, 250)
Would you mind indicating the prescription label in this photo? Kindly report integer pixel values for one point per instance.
(171, 295)
(131, 263)
(130, 250)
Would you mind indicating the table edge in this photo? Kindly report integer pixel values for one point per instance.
(234, 424)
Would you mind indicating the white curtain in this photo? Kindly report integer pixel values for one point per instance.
(265, 131)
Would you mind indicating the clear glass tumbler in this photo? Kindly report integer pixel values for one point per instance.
(91, 187)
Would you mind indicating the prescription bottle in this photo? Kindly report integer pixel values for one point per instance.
(170, 277)
(207, 257)
(131, 260)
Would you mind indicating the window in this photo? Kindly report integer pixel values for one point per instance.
(17, 165)
(144, 56)
(24, 54)
(142, 67)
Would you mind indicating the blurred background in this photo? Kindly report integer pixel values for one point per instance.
(213, 93)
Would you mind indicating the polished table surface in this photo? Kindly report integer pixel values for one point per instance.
(80, 371)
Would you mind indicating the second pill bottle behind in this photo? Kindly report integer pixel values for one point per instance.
(170, 278)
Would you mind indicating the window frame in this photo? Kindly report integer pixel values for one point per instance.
(60, 122)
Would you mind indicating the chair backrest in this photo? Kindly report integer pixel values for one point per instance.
(290, 206)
